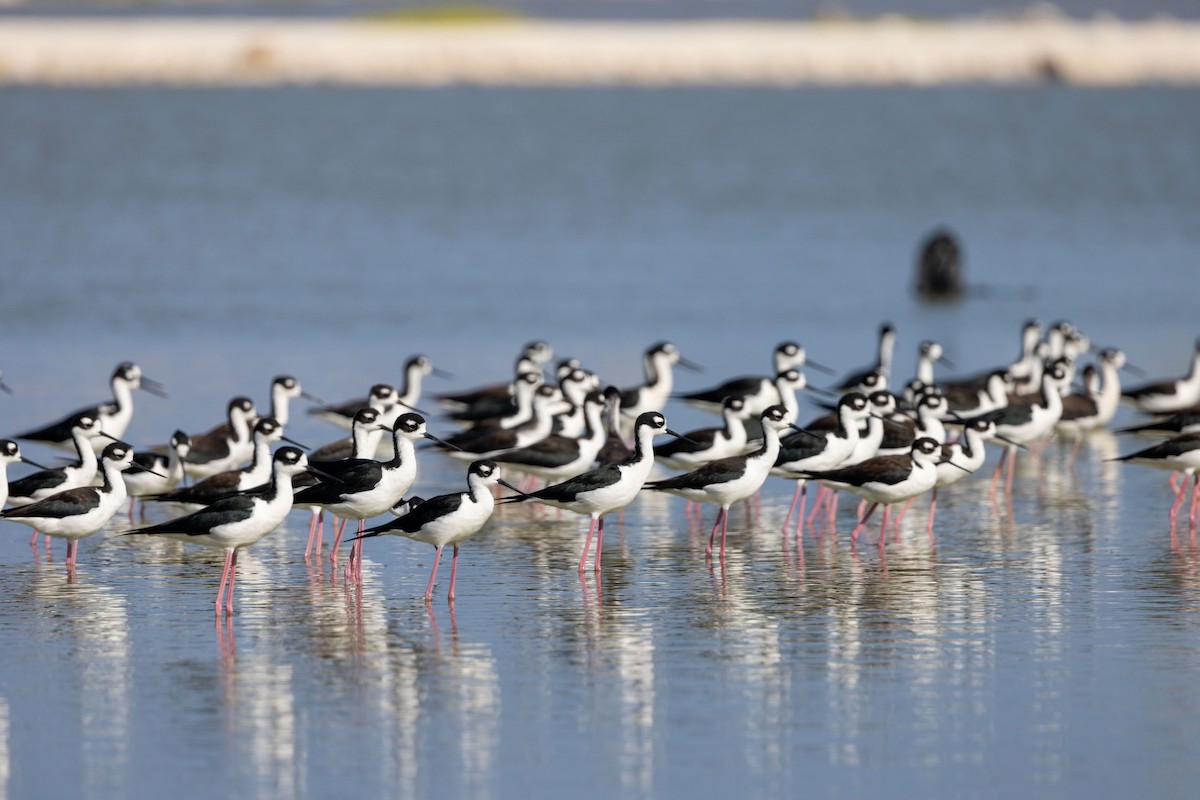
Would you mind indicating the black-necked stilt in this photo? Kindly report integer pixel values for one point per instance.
(887, 480)
(226, 446)
(962, 458)
(1168, 396)
(10, 453)
(928, 355)
(363, 488)
(240, 521)
(757, 392)
(75, 513)
(482, 443)
(496, 399)
(608, 488)
(39, 485)
(575, 385)
(448, 519)
(363, 441)
(979, 397)
(614, 451)
(231, 482)
(113, 416)
(898, 437)
(517, 411)
(816, 450)
(730, 480)
(883, 363)
(708, 444)
(1181, 422)
(1095, 407)
(658, 363)
(1027, 419)
(156, 473)
(382, 397)
(558, 456)
(1178, 454)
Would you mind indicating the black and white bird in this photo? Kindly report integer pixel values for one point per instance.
(887, 480)
(485, 443)
(234, 481)
(225, 447)
(708, 444)
(448, 519)
(559, 456)
(1178, 454)
(76, 513)
(1094, 407)
(392, 404)
(516, 411)
(614, 450)
(757, 392)
(857, 380)
(38, 485)
(113, 416)
(1168, 396)
(362, 488)
(609, 488)
(237, 522)
(382, 397)
(155, 473)
(10, 453)
(496, 399)
(929, 354)
(730, 480)
(658, 362)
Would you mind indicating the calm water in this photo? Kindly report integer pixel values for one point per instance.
(222, 237)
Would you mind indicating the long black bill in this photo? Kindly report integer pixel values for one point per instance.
(293, 441)
(818, 366)
(153, 387)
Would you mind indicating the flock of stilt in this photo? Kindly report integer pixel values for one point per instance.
(592, 449)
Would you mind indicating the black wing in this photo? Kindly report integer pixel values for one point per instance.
(700, 440)
(735, 387)
(1175, 446)
(881, 469)
(67, 503)
(38, 481)
(222, 512)
(566, 491)
(553, 451)
(59, 431)
(722, 470)
(209, 490)
(423, 514)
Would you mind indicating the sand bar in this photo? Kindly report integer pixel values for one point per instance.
(888, 51)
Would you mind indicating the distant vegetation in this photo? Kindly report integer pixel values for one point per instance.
(446, 14)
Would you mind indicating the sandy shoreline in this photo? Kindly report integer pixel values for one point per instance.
(220, 52)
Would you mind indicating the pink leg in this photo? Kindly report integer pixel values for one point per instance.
(318, 519)
(587, 544)
(903, 511)
(232, 581)
(72, 548)
(1172, 481)
(453, 572)
(800, 516)
(132, 503)
(883, 526)
(33, 540)
(358, 550)
(599, 545)
(337, 540)
(224, 579)
(712, 537)
(822, 494)
(792, 507)
(1012, 464)
(1179, 495)
(932, 511)
(724, 529)
(862, 523)
(433, 574)
(1195, 499)
(833, 503)
(996, 474)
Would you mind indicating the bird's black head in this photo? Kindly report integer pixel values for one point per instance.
(127, 371)
(86, 422)
(926, 446)
(382, 392)
(286, 382)
(774, 414)
(243, 404)
(289, 456)
(531, 378)
(651, 419)
(734, 404)
(484, 469)
(180, 439)
(267, 426)
(366, 416)
(855, 401)
(118, 452)
(9, 448)
(789, 349)
(409, 423)
(594, 398)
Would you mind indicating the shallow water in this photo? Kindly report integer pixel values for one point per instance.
(222, 237)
